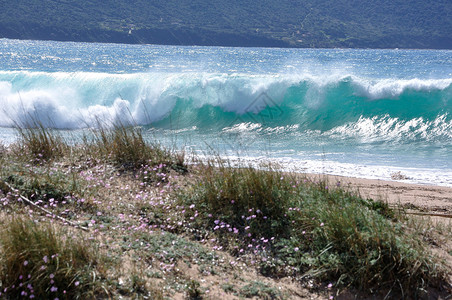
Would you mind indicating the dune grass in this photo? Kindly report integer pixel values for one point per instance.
(30, 172)
(39, 142)
(126, 147)
(285, 225)
(38, 261)
(308, 229)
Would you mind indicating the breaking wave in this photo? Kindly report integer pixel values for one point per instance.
(338, 105)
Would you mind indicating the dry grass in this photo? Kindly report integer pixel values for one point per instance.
(39, 142)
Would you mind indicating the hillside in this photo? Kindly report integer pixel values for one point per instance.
(284, 23)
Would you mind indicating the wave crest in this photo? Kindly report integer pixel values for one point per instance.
(75, 100)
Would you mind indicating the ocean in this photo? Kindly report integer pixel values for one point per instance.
(352, 112)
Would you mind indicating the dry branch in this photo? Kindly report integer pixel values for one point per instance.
(45, 210)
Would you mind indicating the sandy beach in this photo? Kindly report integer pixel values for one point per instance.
(425, 198)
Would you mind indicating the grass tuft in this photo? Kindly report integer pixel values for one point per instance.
(41, 142)
(126, 147)
(260, 290)
(238, 196)
(193, 290)
(36, 261)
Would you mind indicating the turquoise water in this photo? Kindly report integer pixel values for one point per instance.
(365, 113)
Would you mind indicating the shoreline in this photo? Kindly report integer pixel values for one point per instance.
(403, 193)
(390, 173)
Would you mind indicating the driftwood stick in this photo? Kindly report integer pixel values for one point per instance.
(429, 214)
(46, 210)
(423, 213)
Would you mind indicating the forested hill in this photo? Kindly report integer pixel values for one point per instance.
(282, 23)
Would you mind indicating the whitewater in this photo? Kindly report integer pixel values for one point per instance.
(362, 113)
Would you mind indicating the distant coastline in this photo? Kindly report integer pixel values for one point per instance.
(185, 37)
(375, 24)
(179, 37)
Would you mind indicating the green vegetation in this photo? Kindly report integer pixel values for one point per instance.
(307, 229)
(126, 147)
(286, 23)
(261, 290)
(153, 231)
(37, 261)
(39, 142)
